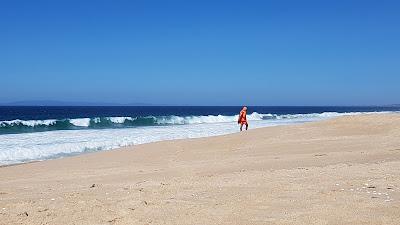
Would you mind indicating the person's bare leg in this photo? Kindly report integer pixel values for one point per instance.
(241, 127)
(247, 126)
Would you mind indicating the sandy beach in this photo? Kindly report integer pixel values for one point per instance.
(339, 171)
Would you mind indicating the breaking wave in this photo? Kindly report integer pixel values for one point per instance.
(28, 126)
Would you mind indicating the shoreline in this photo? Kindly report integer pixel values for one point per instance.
(42, 146)
(309, 173)
(160, 141)
(90, 151)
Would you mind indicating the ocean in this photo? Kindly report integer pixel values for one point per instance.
(41, 133)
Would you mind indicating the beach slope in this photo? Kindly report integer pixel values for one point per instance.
(340, 171)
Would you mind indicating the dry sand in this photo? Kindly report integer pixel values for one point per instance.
(340, 171)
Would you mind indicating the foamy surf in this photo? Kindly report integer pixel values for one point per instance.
(24, 126)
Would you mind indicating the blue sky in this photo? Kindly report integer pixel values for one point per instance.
(201, 52)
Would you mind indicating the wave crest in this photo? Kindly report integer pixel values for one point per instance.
(24, 126)
(176, 120)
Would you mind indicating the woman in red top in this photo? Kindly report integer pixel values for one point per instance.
(242, 118)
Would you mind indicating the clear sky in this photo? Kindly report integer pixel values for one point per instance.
(202, 52)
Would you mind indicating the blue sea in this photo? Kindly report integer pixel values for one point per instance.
(41, 133)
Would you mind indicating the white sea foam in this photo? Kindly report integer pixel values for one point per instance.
(30, 123)
(315, 115)
(82, 122)
(15, 148)
(96, 120)
(119, 119)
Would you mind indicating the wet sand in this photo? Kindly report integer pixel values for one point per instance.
(340, 171)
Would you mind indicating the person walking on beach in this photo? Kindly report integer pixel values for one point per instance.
(242, 118)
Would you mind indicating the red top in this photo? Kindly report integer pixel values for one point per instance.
(242, 117)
